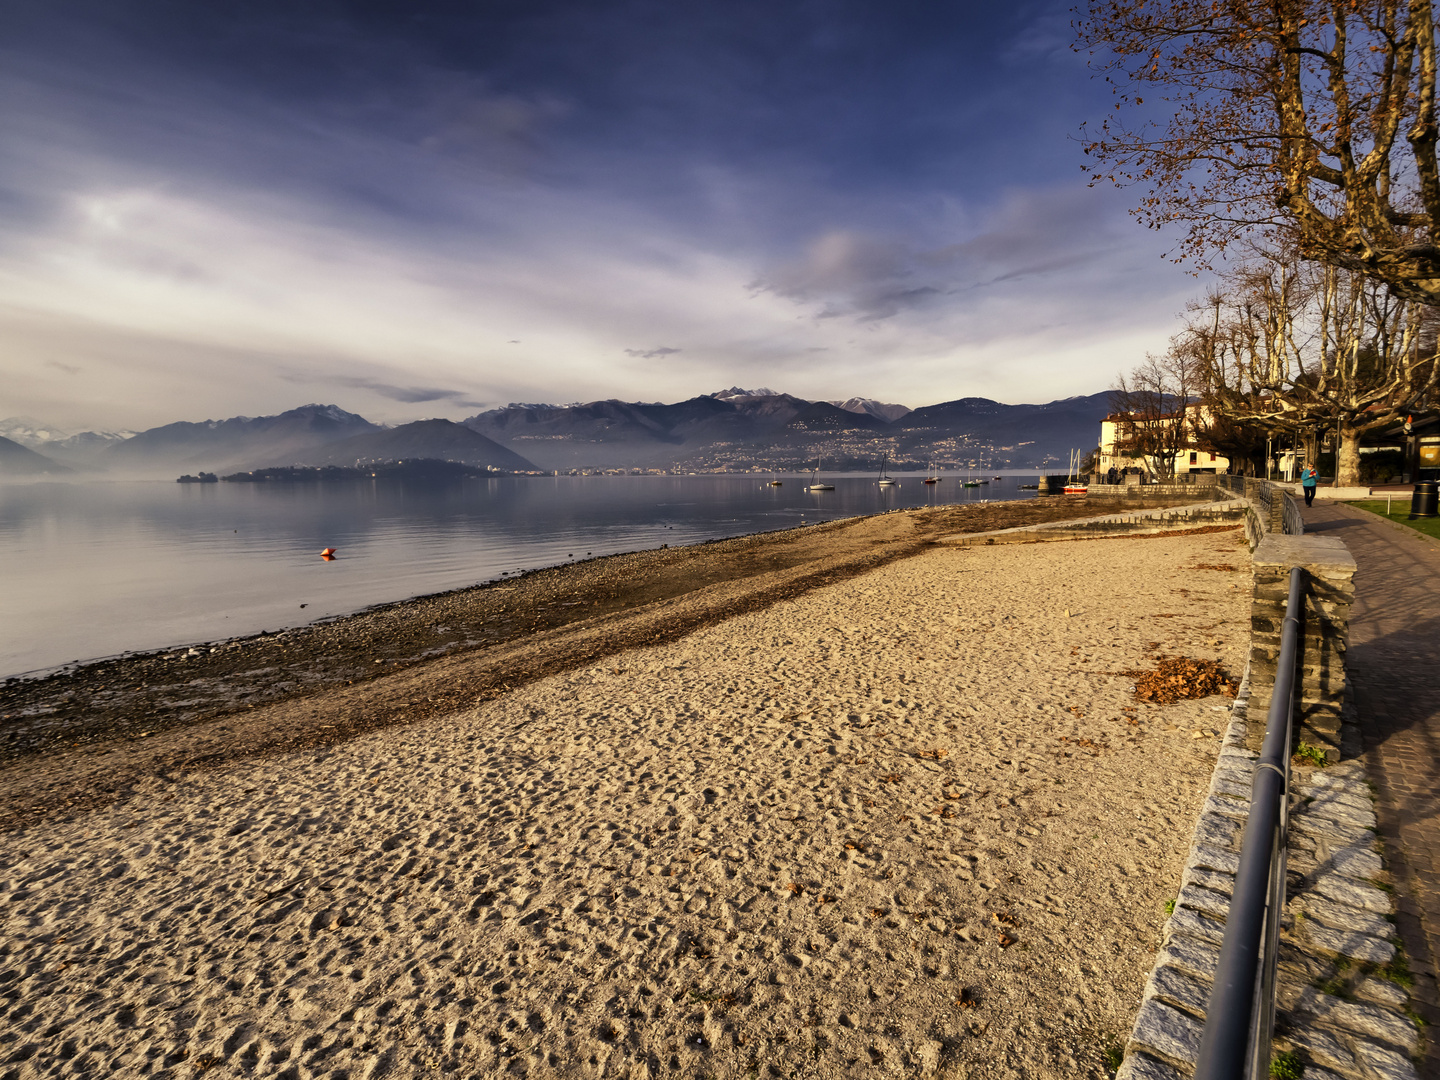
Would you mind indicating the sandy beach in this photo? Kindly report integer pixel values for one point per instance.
(911, 822)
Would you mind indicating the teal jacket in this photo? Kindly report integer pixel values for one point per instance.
(1308, 478)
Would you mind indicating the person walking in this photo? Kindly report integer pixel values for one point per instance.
(1308, 480)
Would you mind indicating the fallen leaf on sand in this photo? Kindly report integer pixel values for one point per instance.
(1179, 678)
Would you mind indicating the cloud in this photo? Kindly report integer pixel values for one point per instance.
(410, 395)
(409, 225)
(69, 369)
(868, 277)
(650, 354)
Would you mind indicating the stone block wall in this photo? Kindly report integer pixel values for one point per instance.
(1325, 633)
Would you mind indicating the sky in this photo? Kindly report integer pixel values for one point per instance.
(431, 208)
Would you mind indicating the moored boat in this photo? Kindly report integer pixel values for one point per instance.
(884, 480)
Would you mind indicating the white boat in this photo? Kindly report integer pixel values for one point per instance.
(884, 480)
(815, 484)
(930, 475)
(1075, 486)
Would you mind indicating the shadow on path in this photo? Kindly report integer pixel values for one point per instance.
(1392, 663)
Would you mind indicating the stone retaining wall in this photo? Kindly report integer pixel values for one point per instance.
(1200, 488)
(1343, 1006)
(1138, 522)
(1339, 1004)
(1329, 593)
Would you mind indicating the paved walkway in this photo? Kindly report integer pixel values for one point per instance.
(1394, 664)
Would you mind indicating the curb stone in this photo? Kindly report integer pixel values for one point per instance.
(1335, 1007)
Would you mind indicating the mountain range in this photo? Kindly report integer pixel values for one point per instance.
(734, 429)
(18, 460)
(765, 429)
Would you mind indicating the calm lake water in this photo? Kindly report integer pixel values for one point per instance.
(95, 569)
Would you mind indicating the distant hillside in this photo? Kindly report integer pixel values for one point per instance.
(1068, 423)
(621, 434)
(734, 429)
(739, 429)
(218, 444)
(823, 416)
(17, 460)
(439, 440)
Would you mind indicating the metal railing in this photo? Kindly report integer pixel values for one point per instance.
(1240, 1017)
(1276, 509)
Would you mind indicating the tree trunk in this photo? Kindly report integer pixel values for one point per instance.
(1347, 457)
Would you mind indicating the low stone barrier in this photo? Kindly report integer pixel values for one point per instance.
(1137, 522)
(1329, 593)
(1199, 488)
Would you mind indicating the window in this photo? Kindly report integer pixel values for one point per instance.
(1194, 458)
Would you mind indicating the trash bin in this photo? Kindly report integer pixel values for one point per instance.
(1425, 502)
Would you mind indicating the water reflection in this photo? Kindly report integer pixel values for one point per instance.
(94, 569)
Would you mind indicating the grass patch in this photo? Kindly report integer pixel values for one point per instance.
(1169, 907)
(1287, 1066)
(1305, 754)
(1400, 514)
(1398, 970)
(1113, 1056)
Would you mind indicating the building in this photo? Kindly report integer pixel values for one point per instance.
(1124, 438)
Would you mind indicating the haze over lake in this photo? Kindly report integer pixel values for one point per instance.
(95, 569)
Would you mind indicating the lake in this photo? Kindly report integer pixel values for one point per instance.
(95, 569)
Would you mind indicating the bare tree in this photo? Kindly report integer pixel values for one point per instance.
(1312, 118)
(1152, 407)
(1295, 347)
(1228, 422)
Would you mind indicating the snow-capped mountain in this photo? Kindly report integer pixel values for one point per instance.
(879, 409)
(735, 393)
(30, 432)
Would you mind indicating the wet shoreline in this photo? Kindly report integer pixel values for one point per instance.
(83, 736)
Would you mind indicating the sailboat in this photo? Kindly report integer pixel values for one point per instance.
(815, 484)
(930, 477)
(884, 480)
(1074, 485)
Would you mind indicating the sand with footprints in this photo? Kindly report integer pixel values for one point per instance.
(911, 823)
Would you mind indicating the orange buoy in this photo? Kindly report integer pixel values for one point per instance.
(328, 553)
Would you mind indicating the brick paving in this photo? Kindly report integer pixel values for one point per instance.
(1394, 665)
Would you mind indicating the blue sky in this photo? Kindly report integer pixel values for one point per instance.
(429, 208)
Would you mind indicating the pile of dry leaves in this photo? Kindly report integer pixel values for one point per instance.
(1178, 678)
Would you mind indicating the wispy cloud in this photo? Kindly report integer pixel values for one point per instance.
(383, 216)
(650, 354)
(410, 395)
